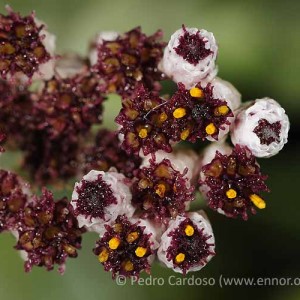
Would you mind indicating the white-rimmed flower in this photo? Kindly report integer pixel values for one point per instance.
(188, 244)
(262, 126)
(100, 197)
(190, 56)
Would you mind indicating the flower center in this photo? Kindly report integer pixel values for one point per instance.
(268, 132)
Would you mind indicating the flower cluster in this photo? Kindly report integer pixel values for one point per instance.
(134, 185)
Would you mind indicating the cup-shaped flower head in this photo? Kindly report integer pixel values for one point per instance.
(190, 56)
(100, 197)
(127, 247)
(188, 244)
(26, 48)
(14, 196)
(48, 233)
(106, 153)
(162, 187)
(262, 126)
(201, 112)
(130, 59)
(141, 119)
(232, 183)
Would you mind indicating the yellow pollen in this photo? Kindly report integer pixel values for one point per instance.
(160, 190)
(140, 251)
(128, 266)
(131, 237)
(114, 243)
(257, 201)
(143, 133)
(163, 117)
(179, 113)
(196, 92)
(180, 258)
(103, 256)
(231, 194)
(184, 134)
(189, 230)
(210, 129)
(223, 109)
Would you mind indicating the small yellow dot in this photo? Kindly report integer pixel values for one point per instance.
(140, 251)
(223, 110)
(163, 117)
(231, 194)
(180, 258)
(196, 92)
(210, 129)
(131, 237)
(184, 134)
(257, 201)
(160, 190)
(128, 266)
(114, 243)
(189, 230)
(103, 256)
(179, 113)
(143, 133)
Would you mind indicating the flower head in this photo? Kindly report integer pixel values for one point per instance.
(190, 56)
(262, 126)
(127, 247)
(188, 243)
(232, 183)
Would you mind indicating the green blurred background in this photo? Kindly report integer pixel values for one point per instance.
(259, 47)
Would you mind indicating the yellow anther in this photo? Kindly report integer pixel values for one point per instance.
(160, 190)
(179, 113)
(189, 230)
(257, 201)
(180, 258)
(140, 251)
(114, 243)
(103, 256)
(196, 92)
(231, 194)
(163, 117)
(184, 134)
(143, 133)
(128, 266)
(210, 129)
(131, 237)
(223, 110)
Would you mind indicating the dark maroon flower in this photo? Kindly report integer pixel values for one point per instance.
(14, 194)
(48, 233)
(106, 153)
(22, 45)
(130, 59)
(232, 183)
(196, 114)
(161, 192)
(126, 248)
(267, 132)
(188, 243)
(141, 119)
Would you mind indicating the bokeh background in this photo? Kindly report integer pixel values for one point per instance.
(259, 50)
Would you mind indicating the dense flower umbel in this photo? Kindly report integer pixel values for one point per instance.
(161, 192)
(232, 183)
(196, 114)
(14, 195)
(141, 119)
(127, 247)
(48, 232)
(106, 153)
(22, 47)
(188, 243)
(130, 59)
(100, 197)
